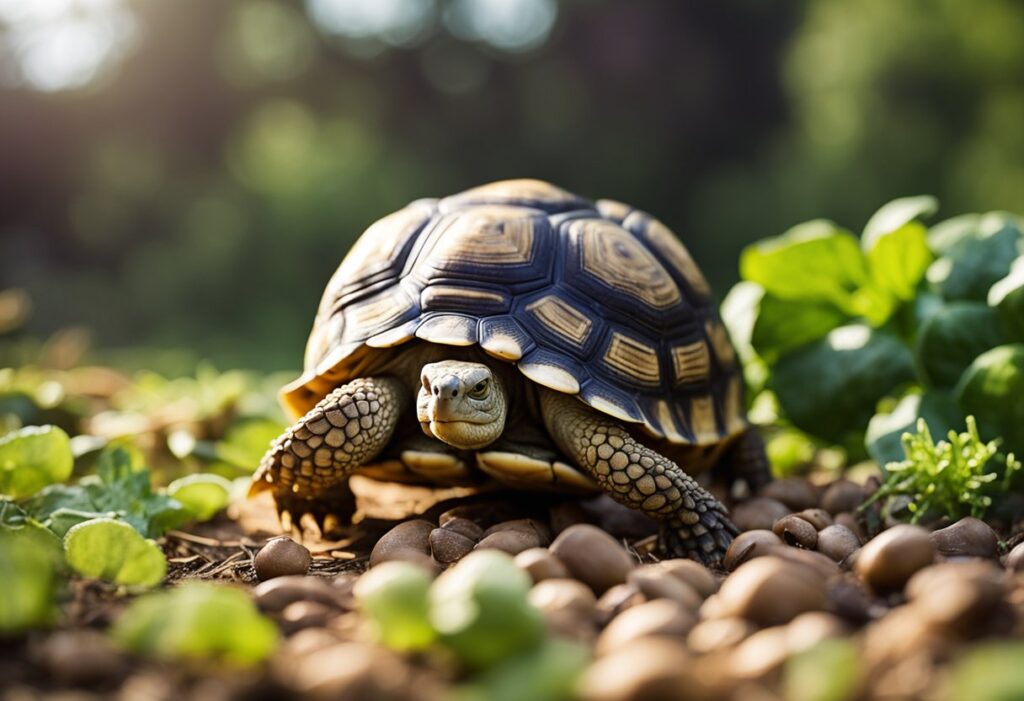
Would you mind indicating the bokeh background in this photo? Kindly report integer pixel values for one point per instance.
(178, 179)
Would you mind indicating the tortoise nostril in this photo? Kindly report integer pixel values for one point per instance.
(455, 392)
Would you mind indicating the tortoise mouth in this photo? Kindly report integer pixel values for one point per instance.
(465, 435)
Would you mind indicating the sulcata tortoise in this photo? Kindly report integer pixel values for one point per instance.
(520, 333)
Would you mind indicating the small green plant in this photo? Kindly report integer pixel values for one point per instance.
(954, 478)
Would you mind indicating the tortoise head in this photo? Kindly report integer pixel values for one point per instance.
(461, 403)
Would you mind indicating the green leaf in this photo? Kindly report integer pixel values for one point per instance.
(112, 550)
(944, 235)
(827, 671)
(30, 579)
(992, 389)
(32, 458)
(898, 259)
(894, 215)
(812, 261)
(197, 621)
(978, 260)
(739, 312)
(480, 609)
(884, 435)
(393, 595)
(789, 451)
(782, 325)
(831, 387)
(952, 337)
(202, 495)
(547, 673)
(989, 672)
(1007, 296)
(244, 444)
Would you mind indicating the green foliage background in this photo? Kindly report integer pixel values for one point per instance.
(200, 190)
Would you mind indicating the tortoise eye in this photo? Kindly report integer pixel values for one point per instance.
(479, 390)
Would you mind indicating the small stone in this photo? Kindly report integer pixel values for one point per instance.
(964, 596)
(305, 614)
(346, 671)
(593, 557)
(1015, 558)
(811, 628)
(662, 617)
(760, 654)
(842, 496)
(837, 542)
(968, 537)
(797, 532)
(79, 658)
(824, 566)
(540, 564)
(275, 594)
(794, 492)
(567, 595)
(891, 558)
(531, 527)
(750, 545)
(654, 582)
(410, 535)
(650, 669)
(448, 545)
(463, 526)
(770, 591)
(616, 600)
(693, 573)
(512, 541)
(718, 634)
(281, 557)
(819, 518)
(759, 513)
(852, 522)
(848, 599)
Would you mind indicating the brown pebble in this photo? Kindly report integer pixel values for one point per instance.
(593, 557)
(410, 535)
(795, 531)
(650, 669)
(1015, 558)
(842, 496)
(693, 573)
(759, 513)
(968, 537)
(760, 654)
(770, 591)
(281, 557)
(619, 520)
(416, 557)
(749, 545)
(463, 526)
(889, 559)
(348, 671)
(448, 546)
(512, 541)
(540, 564)
(654, 582)
(616, 600)
(531, 527)
(848, 599)
(662, 617)
(566, 513)
(275, 594)
(79, 658)
(825, 566)
(567, 595)
(794, 492)
(819, 518)
(852, 522)
(718, 634)
(305, 614)
(964, 597)
(837, 542)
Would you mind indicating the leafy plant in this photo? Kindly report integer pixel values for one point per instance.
(394, 596)
(953, 478)
(32, 458)
(104, 548)
(197, 620)
(30, 577)
(854, 341)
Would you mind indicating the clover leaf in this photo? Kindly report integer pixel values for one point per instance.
(108, 549)
(33, 457)
(202, 495)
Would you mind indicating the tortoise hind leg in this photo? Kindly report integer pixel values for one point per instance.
(745, 462)
(692, 522)
(308, 466)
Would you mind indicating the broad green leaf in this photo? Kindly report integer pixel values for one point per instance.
(393, 595)
(951, 338)
(197, 621)
(885, 431)
(830, 388)
(813, 261)
(202, 495)
(782, 325)
(898, 259)
(942, 236)
(739, 312)
(245, 443)
(1007, 295)
(30, 579)
(992, 389)
(978, 260)
(827, 671)
(894, 215)
(480, 609)
(32, 458)
(547, 673)
(788, 452)
(989, 671)
(112, 550)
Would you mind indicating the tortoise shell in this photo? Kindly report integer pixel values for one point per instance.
(595, 299)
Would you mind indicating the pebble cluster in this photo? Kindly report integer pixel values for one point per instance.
(802, 572)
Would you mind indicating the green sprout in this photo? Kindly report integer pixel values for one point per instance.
(953, 478)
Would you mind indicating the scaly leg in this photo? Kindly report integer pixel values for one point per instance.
(692, 522)
(308, 466)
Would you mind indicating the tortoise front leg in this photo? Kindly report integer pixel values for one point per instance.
(308, 466)
(692, 522)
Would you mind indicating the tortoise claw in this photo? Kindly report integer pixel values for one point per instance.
(330, 512)
(706, 541)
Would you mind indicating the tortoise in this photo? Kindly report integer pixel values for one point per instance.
(520, 333)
